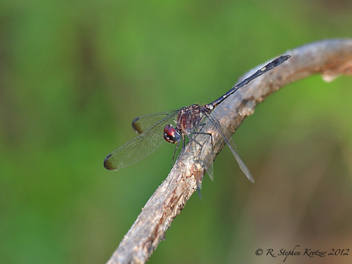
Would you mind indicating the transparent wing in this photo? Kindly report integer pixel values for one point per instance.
(210, 171)
(143, 145)
(143, 123)
(231, 143)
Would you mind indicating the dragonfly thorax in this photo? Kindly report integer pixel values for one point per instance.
(189, 118)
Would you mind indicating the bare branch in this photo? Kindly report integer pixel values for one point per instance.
(329, 58)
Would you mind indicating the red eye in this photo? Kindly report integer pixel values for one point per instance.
(171, 135)
(169, 130)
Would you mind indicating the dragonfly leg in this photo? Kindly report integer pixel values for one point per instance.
(208, 134)
(173, 157)
(210, 168)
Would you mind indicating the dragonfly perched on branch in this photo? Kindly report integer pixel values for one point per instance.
(157, 128)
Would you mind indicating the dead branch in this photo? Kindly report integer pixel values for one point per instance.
(329, 58)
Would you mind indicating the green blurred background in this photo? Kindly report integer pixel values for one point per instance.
(73, 75)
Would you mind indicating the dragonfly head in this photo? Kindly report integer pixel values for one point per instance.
(171, 135)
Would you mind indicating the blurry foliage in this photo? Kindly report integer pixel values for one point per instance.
(74, 74)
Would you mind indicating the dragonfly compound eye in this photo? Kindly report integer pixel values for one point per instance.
(171, 135)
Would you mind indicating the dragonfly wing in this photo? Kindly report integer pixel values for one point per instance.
(143, 123)
(210, 171)
(140, 147)
(232, 145)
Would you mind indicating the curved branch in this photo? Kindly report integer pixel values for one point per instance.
(329, 58)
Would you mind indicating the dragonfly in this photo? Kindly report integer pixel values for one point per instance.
(175, 125)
